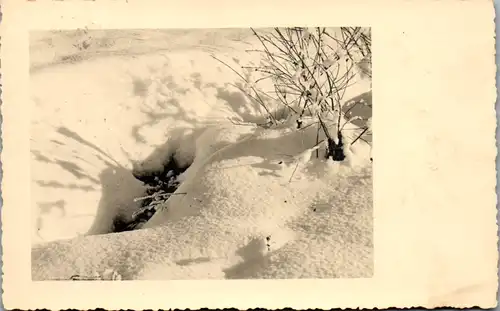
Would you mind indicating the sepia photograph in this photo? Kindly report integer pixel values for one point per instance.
(168, 154)
(176, 155)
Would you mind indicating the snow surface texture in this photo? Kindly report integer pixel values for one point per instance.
(253, 207)
(96, 115)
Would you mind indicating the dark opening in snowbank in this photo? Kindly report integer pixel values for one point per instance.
(160, 185)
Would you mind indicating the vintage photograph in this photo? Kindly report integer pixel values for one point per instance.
(168, 154)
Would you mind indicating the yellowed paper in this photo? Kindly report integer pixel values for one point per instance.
(430, 235)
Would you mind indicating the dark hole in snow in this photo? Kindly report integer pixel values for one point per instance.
(160, 185)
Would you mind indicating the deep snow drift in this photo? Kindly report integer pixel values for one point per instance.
(252, 208)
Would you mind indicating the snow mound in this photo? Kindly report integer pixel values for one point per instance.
(99, 112)
(250, 211)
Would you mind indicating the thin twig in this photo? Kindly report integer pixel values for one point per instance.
(293, 173)
(155, 195)
(359, 136)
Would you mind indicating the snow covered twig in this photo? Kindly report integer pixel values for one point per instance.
(156, 195)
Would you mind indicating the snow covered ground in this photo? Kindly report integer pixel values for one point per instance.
(107, 102)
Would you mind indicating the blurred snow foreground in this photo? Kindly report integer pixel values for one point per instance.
(254, 203)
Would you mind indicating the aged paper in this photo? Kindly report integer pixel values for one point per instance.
(425, 232)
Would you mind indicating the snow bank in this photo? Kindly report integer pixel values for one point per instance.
(242, 217)
(99, 112)
(252, 208)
